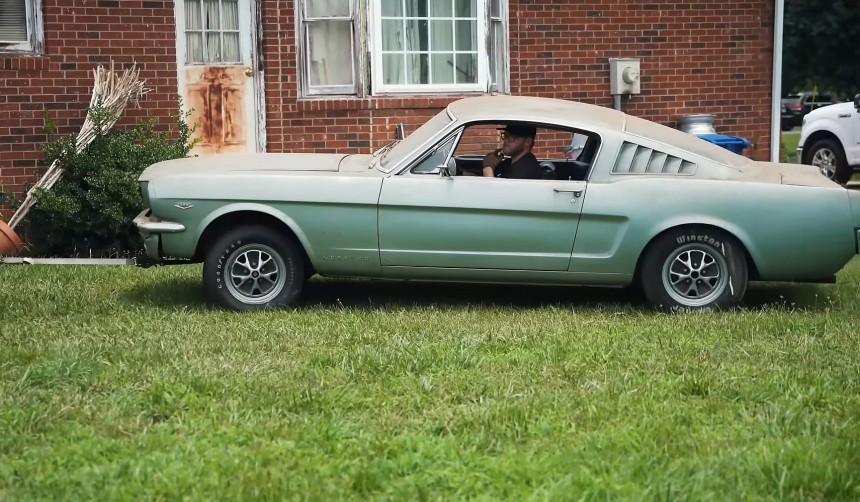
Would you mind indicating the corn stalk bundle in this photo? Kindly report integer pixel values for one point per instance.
(112, 92)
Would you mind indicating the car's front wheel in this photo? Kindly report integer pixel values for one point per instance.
(694, 268)
(828, 157)
(253, 267)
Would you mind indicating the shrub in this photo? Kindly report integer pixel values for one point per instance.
(89, 211)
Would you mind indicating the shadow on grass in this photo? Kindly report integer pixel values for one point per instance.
(337, 293)
(367, 294)
(170, 293)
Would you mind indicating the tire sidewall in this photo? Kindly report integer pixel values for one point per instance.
(842, 172)
(707, 239)
(218, 256)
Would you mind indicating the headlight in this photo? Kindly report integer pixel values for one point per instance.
(144, 191)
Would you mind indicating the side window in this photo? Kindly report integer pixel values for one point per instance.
(431, 163)
(562, 153)
(21, 26)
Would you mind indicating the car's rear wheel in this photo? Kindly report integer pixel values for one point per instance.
(694, 268)
(828, 157)
(253, 267)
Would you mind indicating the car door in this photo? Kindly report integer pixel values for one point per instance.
(428, 220)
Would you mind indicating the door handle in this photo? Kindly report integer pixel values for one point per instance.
(249, 72)
(576, 192)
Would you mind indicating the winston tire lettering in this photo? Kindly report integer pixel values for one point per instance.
(705, 239)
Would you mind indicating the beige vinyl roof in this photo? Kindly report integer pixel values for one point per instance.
(533, 109)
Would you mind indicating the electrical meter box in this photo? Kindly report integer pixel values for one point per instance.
(624, 76)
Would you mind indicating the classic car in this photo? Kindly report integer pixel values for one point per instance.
(621, 201)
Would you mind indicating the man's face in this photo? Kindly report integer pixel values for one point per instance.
(513, 145)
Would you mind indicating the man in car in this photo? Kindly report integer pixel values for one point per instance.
(517, 143)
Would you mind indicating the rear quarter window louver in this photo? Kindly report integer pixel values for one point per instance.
(637, 159)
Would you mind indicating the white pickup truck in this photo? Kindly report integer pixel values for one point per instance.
(830, 140)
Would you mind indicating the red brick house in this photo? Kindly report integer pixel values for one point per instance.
(335, 75)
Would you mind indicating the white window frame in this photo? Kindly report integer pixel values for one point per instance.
(374, 21)
(304, 52)
(35, 42)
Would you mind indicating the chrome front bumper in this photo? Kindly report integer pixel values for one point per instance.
(151, 228)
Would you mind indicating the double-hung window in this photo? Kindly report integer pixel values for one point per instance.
(21, 26)
(407, 46)
(327, 46)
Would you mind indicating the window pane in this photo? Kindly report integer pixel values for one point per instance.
(392, 36)
(417, 38)
(393, 70)
(392, 8)
(466, 39)
(230, 14)
(440, 8)
(231, 48)
(416, 8)
(467, 65)
(443, 68)
(213, 46)
(418, 69)
(442, 35)
(465, 8)
(13, 21)
(430, 165)
(192, 15)
(193, 48)
(211, 15)
(330, 52)
(327, 8)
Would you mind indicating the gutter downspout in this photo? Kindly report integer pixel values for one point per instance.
(776, 90)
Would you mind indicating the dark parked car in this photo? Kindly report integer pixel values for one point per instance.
(795, 106)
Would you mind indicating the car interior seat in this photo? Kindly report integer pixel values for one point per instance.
(547, 169)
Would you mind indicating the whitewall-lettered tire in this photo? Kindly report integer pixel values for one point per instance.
(694, 268)
(253, 267)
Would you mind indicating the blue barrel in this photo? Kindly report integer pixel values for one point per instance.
(731, 143)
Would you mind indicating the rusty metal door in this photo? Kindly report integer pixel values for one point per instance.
(219, 80)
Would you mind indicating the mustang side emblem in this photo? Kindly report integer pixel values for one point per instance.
(184, 205)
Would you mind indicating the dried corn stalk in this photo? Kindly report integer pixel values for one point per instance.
(113, 92)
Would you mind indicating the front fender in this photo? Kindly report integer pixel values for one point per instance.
(257, 208)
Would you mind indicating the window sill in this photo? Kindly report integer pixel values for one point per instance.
(23, 61)
(391, 102)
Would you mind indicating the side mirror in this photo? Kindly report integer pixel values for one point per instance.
(449, 169)
(857, 102)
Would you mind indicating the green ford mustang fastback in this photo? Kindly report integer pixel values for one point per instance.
(618, 200)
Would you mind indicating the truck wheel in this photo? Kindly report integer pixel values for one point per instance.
(828, 157)
(693, 269)
(253, 267)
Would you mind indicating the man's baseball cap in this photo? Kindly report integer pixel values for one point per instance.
(519, 131)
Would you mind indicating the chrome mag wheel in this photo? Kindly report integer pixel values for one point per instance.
(254, 274)
(695, 275)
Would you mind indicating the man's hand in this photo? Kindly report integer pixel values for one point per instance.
(493, 159)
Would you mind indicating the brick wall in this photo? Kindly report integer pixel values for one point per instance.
(704, 57)
(80, 35)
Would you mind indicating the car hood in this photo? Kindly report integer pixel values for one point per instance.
(233, 163)
(831, 110)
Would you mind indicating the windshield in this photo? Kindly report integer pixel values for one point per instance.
(414, 141)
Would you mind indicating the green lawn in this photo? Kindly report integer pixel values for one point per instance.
(120, 383)
(789, 141)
